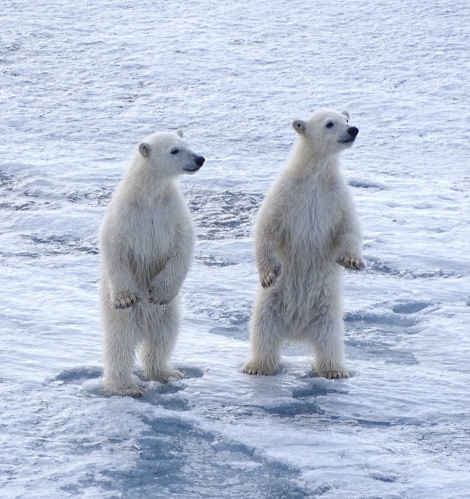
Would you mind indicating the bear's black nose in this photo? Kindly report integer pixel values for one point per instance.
(353, 131)
(199, 160)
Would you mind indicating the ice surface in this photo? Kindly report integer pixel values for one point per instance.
(81, 83)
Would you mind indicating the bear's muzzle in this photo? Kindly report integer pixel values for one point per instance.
(198, 162)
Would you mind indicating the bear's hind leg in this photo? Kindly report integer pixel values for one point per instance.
(120, 332)
(163, 322)
(265, 341)
(328, 346)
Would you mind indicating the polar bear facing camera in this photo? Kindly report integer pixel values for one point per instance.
(146, 243)
(305, 230)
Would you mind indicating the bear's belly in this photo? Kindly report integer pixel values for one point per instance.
(305, 292)
(147, 261)
(146, 267)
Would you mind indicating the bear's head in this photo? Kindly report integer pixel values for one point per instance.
(326, 132)
(170, 154)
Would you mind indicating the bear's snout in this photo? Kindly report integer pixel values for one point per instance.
(199, 160)
(353, 131)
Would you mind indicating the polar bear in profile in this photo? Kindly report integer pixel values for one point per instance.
(306, 230)
(146, 242)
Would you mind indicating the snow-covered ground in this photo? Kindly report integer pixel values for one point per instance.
(80, 84)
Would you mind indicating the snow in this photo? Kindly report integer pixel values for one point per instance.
(81, 83)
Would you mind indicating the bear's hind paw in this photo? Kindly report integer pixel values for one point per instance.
(128, 391)
(255, 369)
(163, 376)
(339, 374)
(173, 373)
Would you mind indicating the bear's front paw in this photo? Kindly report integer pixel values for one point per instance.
(351, 262)
(158, 296)
(125, 300)
(270, 277)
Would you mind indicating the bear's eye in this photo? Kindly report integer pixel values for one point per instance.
(175, 150)
(330, 124)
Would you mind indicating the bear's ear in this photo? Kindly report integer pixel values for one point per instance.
(179, 132)
(299, 126)
(144, 149)
(345, 114)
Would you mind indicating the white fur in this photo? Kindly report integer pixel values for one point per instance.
(305, 229)
(146, 243)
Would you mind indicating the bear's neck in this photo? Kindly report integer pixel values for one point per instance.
(308, 162)
(145, 185)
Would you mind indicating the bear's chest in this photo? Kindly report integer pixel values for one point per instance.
(313, 216)
(155, 231)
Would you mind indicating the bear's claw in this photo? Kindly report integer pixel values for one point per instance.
(255, 369)
(334, 374)
(163, 376)
(127, 391)
(157, 296)
(351, 262)
(270, 277)
(125, 301)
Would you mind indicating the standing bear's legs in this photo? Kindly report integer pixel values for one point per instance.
(162, 325)
(326, 338)
(121, 336)
(266, 336)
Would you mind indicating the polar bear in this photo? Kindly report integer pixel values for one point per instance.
(306, 228)
(146, 242)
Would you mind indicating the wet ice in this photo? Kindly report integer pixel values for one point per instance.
(81, 85)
